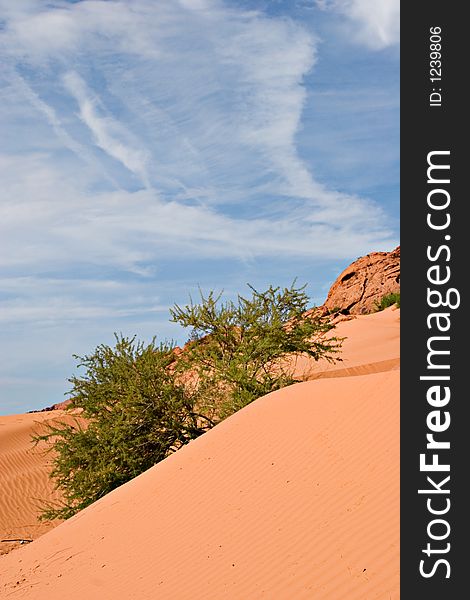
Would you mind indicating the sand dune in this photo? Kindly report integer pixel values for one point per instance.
(295, 496)
(24, 479)
(372, 345)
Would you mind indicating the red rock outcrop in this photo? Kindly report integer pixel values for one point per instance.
(57, 406)
(365, 282)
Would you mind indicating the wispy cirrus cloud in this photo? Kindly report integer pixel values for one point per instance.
(108, 134)
(142, 136)
(203, 109)
(376, 23)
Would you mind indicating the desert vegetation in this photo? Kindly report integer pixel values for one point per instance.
(388, 300)
(136, 403)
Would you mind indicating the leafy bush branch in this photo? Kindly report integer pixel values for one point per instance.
(135, 404)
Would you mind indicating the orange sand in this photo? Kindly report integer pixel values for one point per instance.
(295, 496)
(372, 345)
(24, 479)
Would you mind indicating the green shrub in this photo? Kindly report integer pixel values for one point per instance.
(135, 404)
(388, 300)
(239, 350)
(132, 414)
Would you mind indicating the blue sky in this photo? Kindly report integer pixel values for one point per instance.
(153, 146)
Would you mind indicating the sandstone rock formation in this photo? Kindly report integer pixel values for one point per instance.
(365, 282)
(57, 406)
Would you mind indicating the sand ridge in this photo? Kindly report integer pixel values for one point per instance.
(24, 477)
(295, 496)
(286, 499)
(371, 345)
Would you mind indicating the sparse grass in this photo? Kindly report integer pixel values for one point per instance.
(388, 300)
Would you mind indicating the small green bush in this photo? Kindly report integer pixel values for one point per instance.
(388, 300)
(132, 414)
(239, 349)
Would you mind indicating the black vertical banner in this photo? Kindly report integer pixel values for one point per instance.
(435, 434)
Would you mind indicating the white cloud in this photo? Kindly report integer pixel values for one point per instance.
(20, 90)
(60, 311)
(127, 229)
(202, 106)
(106, 130)
(196, 4)
(140, 137)
(375, 23)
